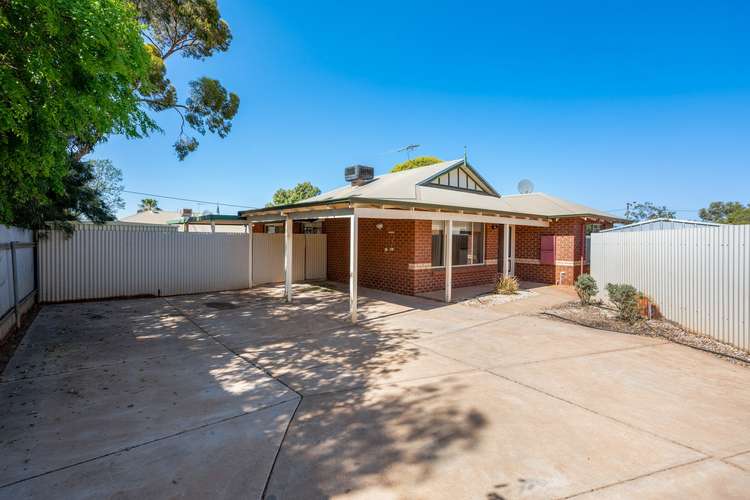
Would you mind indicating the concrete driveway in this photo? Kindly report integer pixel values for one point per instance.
(239, 395)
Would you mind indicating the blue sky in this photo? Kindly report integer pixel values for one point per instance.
(598, 102)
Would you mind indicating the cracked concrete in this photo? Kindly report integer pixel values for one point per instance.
(240, 395)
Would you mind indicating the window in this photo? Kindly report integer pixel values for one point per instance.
(274, 228)
(593, 228)
(467, 243)
(438, 240)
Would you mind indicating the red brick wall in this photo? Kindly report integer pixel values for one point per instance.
(430, 280)
(385, 255)
(411, 241)
(569, 244)
(337, 251)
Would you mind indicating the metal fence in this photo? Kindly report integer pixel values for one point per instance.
(698, 276)
(123, 260)
(17, 283)
(126, 260)
(308, 252)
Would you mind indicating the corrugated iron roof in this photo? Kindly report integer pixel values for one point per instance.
(411, 187)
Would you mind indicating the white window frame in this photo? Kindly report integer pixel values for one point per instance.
(470, 255)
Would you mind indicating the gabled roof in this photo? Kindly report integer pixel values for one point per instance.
(414, 188)
(152, 217)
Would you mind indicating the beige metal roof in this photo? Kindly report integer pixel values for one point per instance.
(149, 217)
(411, 187)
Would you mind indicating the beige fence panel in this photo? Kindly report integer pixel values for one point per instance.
(268, 258)
(308, 257)
(698, 276)
(315, 256)
(121, 260)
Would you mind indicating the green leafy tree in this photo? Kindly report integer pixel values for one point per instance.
(730, 212)
(81, 199)
(73, 72)
(640, 211)
(69, 70)
(419, 161)
(107, 181)
(193, 29)
(300, 192)
(148, 205)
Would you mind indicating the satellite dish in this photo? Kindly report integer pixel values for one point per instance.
(525, 186)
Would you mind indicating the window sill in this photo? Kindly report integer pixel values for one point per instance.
(482, 264)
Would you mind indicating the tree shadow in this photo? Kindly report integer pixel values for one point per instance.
(98, 378)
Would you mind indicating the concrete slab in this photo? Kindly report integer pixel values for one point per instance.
(461, 436)
(265, 295)
(742, 460)
(230, 459)
(439, 320)
(243, 328)
(707, 480)
(523, 339)
(673, 391)
(52, 422)
(69, 337)
(349, 357)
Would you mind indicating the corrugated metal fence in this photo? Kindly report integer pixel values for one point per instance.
(698, 276)
(309, 257)
(124, 260)
(117, 260)
(22, 246)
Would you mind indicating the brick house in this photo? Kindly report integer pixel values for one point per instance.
(405, 224)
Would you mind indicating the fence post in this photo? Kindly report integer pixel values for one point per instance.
(15, 283)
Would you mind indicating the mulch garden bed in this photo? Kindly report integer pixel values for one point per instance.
(603, 317)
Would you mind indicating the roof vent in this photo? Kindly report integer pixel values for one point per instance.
(359, 174)
(186, 212)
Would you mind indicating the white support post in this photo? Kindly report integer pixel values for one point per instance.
(250, 256)
(353, 237)
(448, 260)
(506, 248)
(288, 262)
(213, 226)
(512, 244)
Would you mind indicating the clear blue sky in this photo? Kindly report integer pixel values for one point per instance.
(598, 102)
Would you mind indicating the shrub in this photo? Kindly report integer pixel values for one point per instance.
(625, 298)
(586, 288)
(507, 285)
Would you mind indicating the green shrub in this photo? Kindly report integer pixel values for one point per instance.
(586, 288)
(625, 298)
(507, 285)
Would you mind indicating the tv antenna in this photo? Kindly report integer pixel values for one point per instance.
(408, 149)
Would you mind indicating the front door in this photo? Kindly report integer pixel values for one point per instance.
(510, 255)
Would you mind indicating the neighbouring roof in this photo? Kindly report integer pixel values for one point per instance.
(209, 218)
(661, 223)
(417, 187)
(149, 217)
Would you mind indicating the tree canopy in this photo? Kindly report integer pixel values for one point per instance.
(300, 192)
(74, 72)
(419, 161)
(68, 74)
(639, 211)
(148, 205)
(726, 212)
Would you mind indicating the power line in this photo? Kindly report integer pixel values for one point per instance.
(187, 199)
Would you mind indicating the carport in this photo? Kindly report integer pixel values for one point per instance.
(370, 209)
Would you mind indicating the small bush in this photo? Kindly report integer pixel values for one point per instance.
(586, 288)
(507, 285)
(625, 298)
